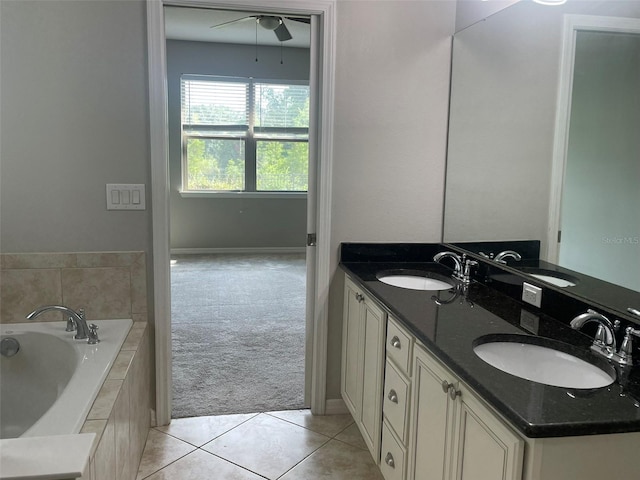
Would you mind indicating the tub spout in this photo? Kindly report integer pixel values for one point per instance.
(81, 324)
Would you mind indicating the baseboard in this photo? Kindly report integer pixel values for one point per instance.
(201, 251)
(335, 406)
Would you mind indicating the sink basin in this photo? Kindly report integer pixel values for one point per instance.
(558, 282)
(542, 360)
(558, 279)
(414, 280)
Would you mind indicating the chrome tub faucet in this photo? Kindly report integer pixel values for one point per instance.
(83, 331)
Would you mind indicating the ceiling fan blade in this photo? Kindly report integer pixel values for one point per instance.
(282, 32)
(237, 20)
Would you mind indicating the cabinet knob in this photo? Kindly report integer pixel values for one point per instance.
(359, 297)
(388, 459)
(446, 386)
(453, 393)
(393, 396)
(395, 342)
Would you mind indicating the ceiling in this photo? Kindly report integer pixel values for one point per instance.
(182, 23)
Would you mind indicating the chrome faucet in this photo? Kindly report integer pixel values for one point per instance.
(500, 257)
(604, 341)
(77, 317)
(457, 260)
(463, 265)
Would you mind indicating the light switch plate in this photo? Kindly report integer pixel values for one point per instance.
(126, 196)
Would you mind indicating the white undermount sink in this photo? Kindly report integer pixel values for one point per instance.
(542, 364)
(553, 280)
(414, 281)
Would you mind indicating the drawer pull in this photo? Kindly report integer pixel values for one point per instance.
(393, 396)
(395, 342)
(389, 460)
(453, 393)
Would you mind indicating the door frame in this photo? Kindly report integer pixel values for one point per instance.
(317, 314)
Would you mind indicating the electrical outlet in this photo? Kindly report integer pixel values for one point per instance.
(532, 294)
(529, 321)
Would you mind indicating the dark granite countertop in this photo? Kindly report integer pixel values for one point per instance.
(450, 330)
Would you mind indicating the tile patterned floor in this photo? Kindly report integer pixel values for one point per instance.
(287, 445)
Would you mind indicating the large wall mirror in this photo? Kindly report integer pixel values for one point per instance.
(545, 136)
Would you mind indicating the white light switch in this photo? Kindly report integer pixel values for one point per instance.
(125, 196)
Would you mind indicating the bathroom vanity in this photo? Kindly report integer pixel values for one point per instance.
(429, 407)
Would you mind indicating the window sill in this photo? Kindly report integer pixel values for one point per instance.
(280, 195)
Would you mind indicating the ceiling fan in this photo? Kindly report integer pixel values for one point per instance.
(270, 22)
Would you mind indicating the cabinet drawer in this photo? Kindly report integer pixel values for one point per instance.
(399, 345)
(392, 462)
(396, 396)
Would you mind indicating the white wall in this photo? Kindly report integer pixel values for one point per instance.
(392, 86)
(74, 118)
(230, 222)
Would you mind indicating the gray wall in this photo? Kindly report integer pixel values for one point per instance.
(230, 222)
(74, 118)
(392, 88)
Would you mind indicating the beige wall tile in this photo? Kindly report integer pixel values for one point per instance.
(97, 427)
(122, 433)
(22, 291)
(121, 365)
(132, 342)
(139, 285)
(103, 292)
(107, 259)
(37, 260)
(106, 399)
(105, 459)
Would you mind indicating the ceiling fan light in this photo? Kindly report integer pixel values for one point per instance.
(268, 22)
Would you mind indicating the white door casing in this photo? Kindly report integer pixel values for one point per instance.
(323, 56)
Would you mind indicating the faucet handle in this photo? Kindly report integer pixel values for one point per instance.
(93, 334)
(626, 349)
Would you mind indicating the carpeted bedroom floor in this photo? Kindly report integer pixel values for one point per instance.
(238, 333)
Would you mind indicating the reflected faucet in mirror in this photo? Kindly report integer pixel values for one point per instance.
(500, 257)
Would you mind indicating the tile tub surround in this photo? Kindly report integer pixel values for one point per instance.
(120, 415)
(106, 284)
(449, 331)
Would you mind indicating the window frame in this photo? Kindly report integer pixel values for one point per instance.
(249, 134)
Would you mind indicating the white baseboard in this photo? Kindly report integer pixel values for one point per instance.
(335, 406)
(201, 251)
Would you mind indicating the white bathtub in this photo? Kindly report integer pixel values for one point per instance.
(48, 387)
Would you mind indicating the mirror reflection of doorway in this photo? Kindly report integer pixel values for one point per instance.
(600, 220)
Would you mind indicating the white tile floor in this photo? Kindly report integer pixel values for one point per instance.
(287, 445)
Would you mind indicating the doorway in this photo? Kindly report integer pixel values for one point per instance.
(319, 194)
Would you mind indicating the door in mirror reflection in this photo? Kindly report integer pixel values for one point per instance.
(600, 216)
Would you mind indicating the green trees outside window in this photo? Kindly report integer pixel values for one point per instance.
(241, 135)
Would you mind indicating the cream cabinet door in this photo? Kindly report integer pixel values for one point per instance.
(363, 339)
(432, 414)
(373, 325)
(351, 385)
(485, 448)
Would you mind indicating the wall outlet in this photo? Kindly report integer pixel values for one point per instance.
(529, 321)
(532, 294)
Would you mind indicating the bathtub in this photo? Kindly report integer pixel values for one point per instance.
(49, 386)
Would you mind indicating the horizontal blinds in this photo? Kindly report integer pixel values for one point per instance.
(281, 105)
(214, 103)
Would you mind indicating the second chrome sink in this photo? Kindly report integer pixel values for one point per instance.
(542, 360)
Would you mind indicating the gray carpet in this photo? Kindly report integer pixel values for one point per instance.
(238, 331)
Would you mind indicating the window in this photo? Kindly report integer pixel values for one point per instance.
(244, 135)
